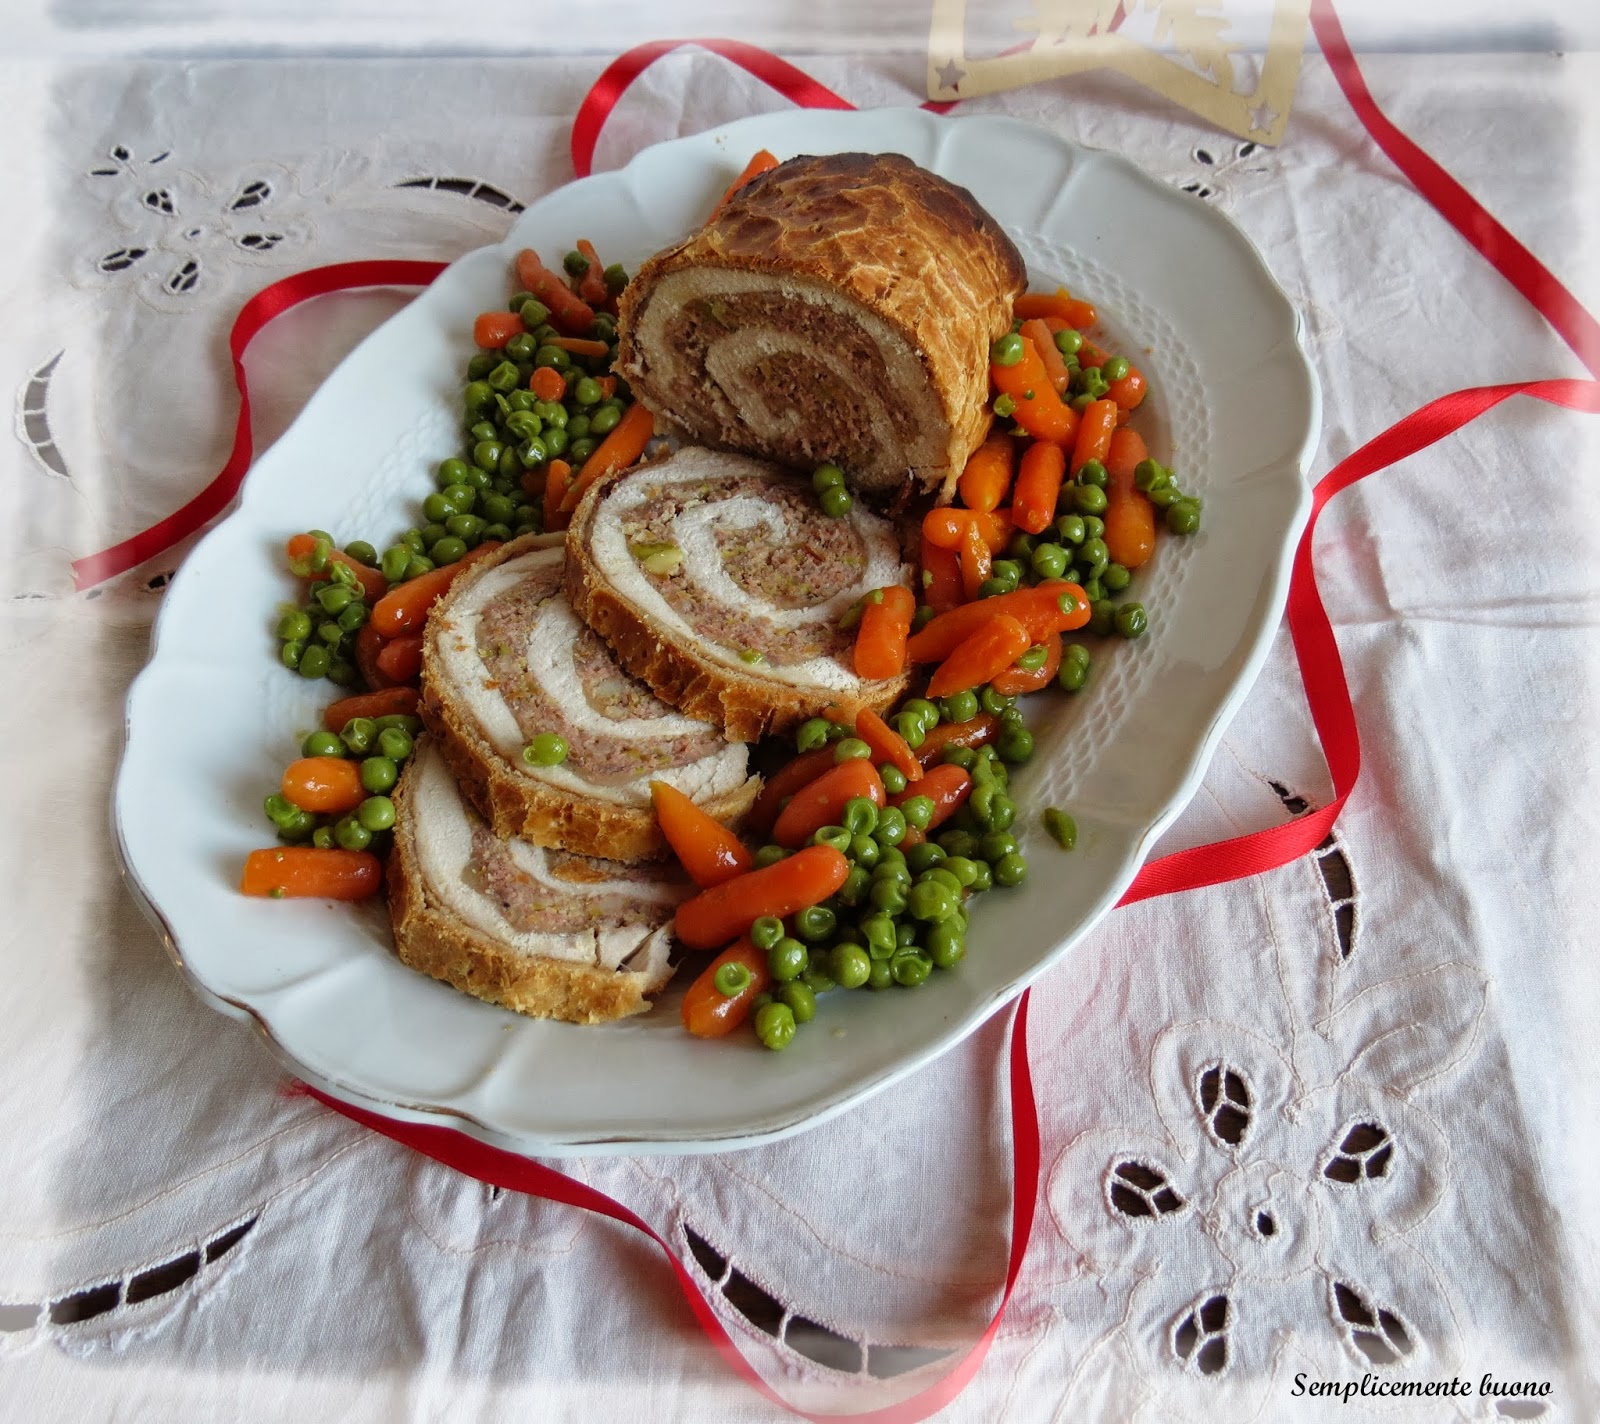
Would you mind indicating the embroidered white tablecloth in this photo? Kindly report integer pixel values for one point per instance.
(1338, 1120)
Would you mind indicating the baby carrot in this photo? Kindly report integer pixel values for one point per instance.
(1123, 454)
(978, 658)
(1130, 390)
(1076, 314)
(1033, 502)
(404, 609)
(1094, 433)
(493, 329)
(978, 732)
(784, 783)
(324, 784)
(724, 912)
(946, 786)
(706, 849)
(617, 451)
(393, 701)
(306, 871)
(547, 383)
(707, 1011)
(579, 346)
(1046, 608)
(1044, 342)
(822, 802)
(1130, 517)
(886, 743)
(1015, 681)
(941, 576)
(400, 659)
(569, 313)
(592, 285)
(557, 480)
(946, 527)
(880, 650)
(987, 476)
(1038, 409)
(759, 163)
(976, 561)
(369, 643)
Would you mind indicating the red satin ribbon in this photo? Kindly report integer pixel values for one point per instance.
(1327, 692)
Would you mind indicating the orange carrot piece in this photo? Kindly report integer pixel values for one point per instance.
(941, 577)
(306, 871)
(1046, 608)
(547, 383)
(1033, 502)
(760, 162)
(978, 732)
(784, 783)
(404, 609)
(1044, 342)
(987, 476)
(301, 547)
(880, 650)
(617, 451)
(947, 786)
(979, 657)
(1091, 353)
(707, 1011)
(946, 527)
(1130, 517)
(569, 313)
(369, 643)
(1130, 390)
(578, 346)
(822, 802)
(976, 561)
(390, 702)
(886, 743)
(1015, 681)
(557, 480)
(400, 659)
(724, 912)
(324, 784)
(608, 386)
(1094, 433)
(493, 329)
(706, 848)
(1039, 410)
(592, 285)
(1126, 449)
(1072, 312)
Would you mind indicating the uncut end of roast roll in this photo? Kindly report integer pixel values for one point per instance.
(718, 581)
(508, 666)
(545, 933)
(836, 309)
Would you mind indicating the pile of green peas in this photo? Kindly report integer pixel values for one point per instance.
(902, 913)
(381, 745)
(317, 639)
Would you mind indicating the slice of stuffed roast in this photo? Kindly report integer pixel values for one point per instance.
(544, 932)
(718, 581)
(837, 308)
(550, 739)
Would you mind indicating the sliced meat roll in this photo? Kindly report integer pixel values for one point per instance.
(506, 661)
(718, 581)
(837, 309)
(547, 933)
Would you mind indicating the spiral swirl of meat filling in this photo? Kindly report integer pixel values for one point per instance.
(713, 561)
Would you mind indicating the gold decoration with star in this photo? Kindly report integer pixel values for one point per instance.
(1182, 49)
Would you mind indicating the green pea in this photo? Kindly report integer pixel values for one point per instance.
(552, 356)
(1075, 663)
(322, 744)
(1070, 527)
(393, 562)
(546, 749)
(812, 734)
(335, 598)
(880, 976)
(1115, 577)
(770, 855)
(892, 868)
(580, 450)
(1150, 475)
(985, 880)
(1033, 659)
(993, 588)
(731, 978)
(963, 868)
(891, 827)
(1008, 571)
(322, 838)
(486, 455)
(358, 735)
(850, 965)
(959, 706)
(775, 1026)
(1069, 342)
(1094, 527)
(910, 969)
(864, 851)
(313, 661)
(419, 565)
(604, 420)
(1015, 745)
(766, 932)
(923, 857)
(412, 539)
(616, 278)
(1010, 870)
(835, 501)
(918, 811)
(860, 815)
(279, 808)
(1007, 350)
(1021, 545)
(376, 813)
(1002, 812)
(1093, 558)
(1092, 472)
(931, 900)
(447, 550)
(297, 826)
(292, 653)
(1132, 621)
(835, 837)
(787, 959)
(1115, 369)
(857, 881)
(910, 727)
(481, 364)
(893, 779)
(888, 896)
(964, 757)
(394, 743)
(1183, 516)
(1004, 405)
(504, 377)
(378, 774)
(877, 931)
(350, 834)
(947, 942)
(1049, 561)
(851, 749)
(994, 702)
(294, 626)
(815, 924)
(801, 999)
(826, 477)
(958, 845)
(478, 395)
(1089, 499)
(1062, 828)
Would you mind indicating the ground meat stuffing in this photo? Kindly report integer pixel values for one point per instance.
(600, 758)
(819, 559)
(534, 908)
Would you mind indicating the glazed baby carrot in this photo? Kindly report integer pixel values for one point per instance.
(724, 912)
(400, 659)
(1123, 454)
(393, 701)
(1033, 502)
(547, 383)
(976, 560)
(987, 476)
(569, 313)
(579, 346)
(783, 783)
(978, 732)
(1015, 681)
(404, 609)
(493, 329)
(941, 577)
(886, 743)
(1094, 433)
(1092, 354)
(880, 650)
(617, 451)
(946, 786)
(759, 163)
(369, 643)
(822, 802)
(557, 480)
(306, 871)
(1036, 406)
(1044, 342)
(706, 849)
(978, 658)
(592, 285)
(1130, 518)
(710, 1013)
(1046, 608)
(947, 526)
(1130, 390)
(1076, 314)
(302, 551)
(324, 784)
